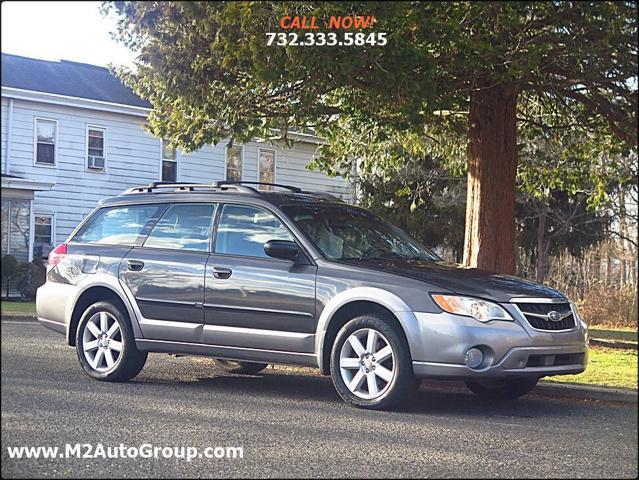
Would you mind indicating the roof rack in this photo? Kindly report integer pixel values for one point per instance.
(326, 196)
(223, 185)
(189, 187)
(229, 182)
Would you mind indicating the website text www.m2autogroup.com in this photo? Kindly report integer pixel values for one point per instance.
(145, 450)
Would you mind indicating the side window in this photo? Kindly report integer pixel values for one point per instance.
(184, 227)
(44, 236)
(234, 163)
(46, 135)
(243, 230)
(124, 225)
(169, 162)
(266, 167)
(96, 149)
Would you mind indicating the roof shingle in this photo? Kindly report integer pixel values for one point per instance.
(67, 78)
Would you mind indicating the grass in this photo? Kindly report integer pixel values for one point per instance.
(608, 367)
(8, 307)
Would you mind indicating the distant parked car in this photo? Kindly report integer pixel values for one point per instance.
(255, 277)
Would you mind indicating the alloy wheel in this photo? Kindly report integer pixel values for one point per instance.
(367, 363)
(102, 342)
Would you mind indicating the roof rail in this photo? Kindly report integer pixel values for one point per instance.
(326, 196)
(189, 187)
(224, 183)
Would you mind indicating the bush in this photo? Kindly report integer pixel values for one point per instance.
(29, 276)
(9, 264)
(610, 306)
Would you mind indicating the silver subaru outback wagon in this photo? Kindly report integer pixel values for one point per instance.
(253, 277)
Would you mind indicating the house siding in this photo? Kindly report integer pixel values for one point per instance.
(132, 158)
(4, 128)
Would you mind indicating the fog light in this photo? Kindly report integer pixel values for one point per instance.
(474, 357)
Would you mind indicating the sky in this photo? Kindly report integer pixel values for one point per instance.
(61, 31)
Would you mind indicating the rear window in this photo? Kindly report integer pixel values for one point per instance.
(123, 225)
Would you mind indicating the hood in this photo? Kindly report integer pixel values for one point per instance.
(464, 281)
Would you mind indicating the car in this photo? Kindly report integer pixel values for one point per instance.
(256, 274)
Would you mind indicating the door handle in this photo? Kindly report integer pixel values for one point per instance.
(135, 265)
(219, 272)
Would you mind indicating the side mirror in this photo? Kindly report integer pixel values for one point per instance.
(282, 249)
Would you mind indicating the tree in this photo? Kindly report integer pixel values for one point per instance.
(556, 223)
(423, 198)
(474, 69)
(555, 213)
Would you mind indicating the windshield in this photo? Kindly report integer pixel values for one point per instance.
(343, 232)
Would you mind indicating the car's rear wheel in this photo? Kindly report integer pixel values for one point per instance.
(508, 388)
(241, 368)
(105, 344)
(371, 365)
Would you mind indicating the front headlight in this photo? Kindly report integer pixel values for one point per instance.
(471, 307)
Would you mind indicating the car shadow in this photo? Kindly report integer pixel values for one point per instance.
(433, 398)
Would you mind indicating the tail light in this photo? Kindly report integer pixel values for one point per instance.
(57, 254)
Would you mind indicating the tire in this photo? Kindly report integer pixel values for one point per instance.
(240, 368)
(97, 344)
(364, 380)
(511, 388)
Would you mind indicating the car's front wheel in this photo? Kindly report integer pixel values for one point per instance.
(105, 344)
(371, 365)
(508, 388)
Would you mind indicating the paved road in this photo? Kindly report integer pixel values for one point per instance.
(290, 424)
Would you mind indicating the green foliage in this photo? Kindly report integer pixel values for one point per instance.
(588, 162)
(569, 223)
(29, 276)
(423, 199)
(210, 75)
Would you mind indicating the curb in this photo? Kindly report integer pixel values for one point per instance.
(17, 317)
(581, 392)
(554, 390)
(614, 344)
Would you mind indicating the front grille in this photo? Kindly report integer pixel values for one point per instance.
(555, 360)
(537, 315)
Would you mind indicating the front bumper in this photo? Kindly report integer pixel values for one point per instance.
(560, 360)
(511, 348)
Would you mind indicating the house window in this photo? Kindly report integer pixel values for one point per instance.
(43, 235)
(45, 142)
(96, 149)
(16, 227)
(234, 163)
(266, 167)
(169, 162)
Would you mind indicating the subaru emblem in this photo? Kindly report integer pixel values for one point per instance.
(554, 316)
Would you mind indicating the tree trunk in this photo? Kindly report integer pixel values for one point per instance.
(492, 166)
(608, 262)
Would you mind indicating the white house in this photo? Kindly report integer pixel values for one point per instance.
(72, 134)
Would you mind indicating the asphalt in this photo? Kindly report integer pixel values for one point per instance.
(290, 423)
